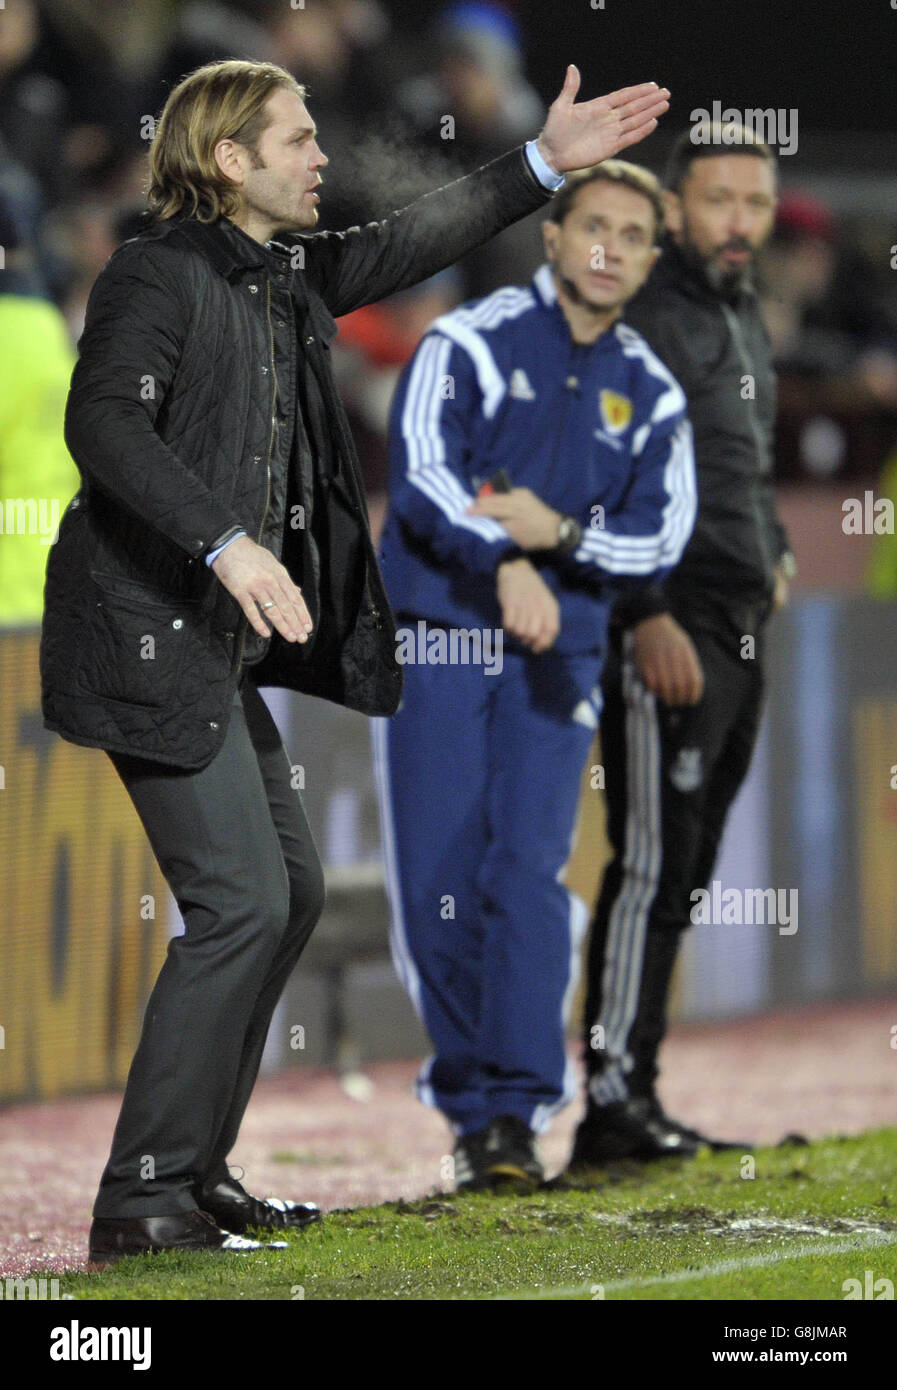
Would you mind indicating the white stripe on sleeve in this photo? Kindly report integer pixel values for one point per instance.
(425, 445)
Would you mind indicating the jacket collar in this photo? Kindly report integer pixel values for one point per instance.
(546, 295)
(229, 249)
(225, 245)
(543, 283)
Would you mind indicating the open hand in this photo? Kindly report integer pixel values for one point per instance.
(576, 137)
(254, 577)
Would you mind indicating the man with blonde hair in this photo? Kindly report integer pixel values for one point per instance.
(219, 542)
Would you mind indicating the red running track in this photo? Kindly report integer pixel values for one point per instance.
(817, 1071)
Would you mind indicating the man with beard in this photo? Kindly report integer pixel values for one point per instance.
(683, 684)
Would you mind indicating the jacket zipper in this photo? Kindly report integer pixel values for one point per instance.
(574, 368)
(741, 348)
(245, 627)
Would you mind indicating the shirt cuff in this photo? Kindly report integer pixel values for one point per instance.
(543, 172)
(213, 554)
(633, 608)
(510, 552)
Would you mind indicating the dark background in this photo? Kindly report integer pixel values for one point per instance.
(834, 61)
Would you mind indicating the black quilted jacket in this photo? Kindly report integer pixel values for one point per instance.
(169, 421)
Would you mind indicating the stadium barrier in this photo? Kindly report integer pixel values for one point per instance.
(88, 915)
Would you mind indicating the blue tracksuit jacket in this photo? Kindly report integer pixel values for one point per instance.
(598, 431)
(478, 772)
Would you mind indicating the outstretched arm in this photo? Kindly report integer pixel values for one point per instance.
(363, 264)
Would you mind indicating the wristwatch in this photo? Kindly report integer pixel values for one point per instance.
(569, 536)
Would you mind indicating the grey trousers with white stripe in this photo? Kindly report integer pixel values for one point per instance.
(671, 776)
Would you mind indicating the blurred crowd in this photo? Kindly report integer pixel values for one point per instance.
(81, 81)
(401, 107)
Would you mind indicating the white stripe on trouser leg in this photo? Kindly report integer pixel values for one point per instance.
(642, 859)
(402, 958)
(578, 921)
(645, 871)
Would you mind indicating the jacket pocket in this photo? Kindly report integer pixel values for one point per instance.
(135, 642)
(322, 320)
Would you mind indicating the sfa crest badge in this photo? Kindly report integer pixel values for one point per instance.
(616, 411)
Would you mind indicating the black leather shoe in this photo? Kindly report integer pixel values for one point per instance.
(114, 1237)
(233, 1207)
(627, 1129)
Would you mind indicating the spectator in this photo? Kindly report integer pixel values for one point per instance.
(833, 345)
(37, 475)
(474, 101)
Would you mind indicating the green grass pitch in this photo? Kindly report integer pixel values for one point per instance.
(811, 1218)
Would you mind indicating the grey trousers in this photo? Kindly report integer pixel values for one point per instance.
(234, 845)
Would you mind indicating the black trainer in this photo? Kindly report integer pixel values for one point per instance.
(469, 1161)
(695, 1135)
(630, 1128)
(502, 1154)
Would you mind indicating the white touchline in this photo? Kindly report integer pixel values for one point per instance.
(681, 1276)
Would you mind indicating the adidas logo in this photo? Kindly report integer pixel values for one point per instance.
(585, 714)
(519, 386)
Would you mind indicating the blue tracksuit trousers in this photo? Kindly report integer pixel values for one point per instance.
(478, 781)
